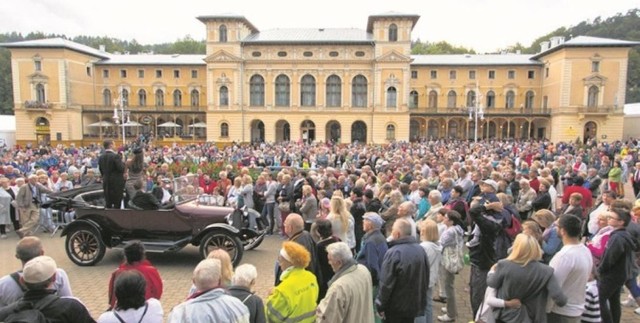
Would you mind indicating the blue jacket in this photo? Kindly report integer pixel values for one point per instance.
(371, 254)
(404, 275)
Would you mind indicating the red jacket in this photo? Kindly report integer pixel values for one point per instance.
(150, 273)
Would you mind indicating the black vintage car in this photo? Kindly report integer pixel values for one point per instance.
(187, 221)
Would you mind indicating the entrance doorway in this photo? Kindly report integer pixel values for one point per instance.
(590, 131)
(308, 131)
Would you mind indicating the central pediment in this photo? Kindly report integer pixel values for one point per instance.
(222, 56)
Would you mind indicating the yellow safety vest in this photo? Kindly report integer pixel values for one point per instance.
(294, 300)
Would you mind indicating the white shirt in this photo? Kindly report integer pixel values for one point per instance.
(154, 314)
(571, 267)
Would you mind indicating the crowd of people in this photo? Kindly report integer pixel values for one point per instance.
(372, 232)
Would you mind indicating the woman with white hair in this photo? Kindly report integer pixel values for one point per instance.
(242, 285)
(435, 199)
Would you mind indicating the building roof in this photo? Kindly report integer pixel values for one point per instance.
(57, 43)
(153, 59)
(392, 15)
(229, 16)
(588, 41)
(310, 36)
(474, 60)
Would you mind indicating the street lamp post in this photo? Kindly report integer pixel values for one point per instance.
(122, 114)
(475, 112)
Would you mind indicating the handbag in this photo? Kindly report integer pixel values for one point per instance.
(453, 257)
(284, 206)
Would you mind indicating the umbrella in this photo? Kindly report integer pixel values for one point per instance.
(198, 125)
(132, 124)
(170, 125)
(101, 124)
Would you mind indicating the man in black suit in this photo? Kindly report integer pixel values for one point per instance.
(112, 171)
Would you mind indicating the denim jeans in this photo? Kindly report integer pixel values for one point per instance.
(268, 214)
(428, 310)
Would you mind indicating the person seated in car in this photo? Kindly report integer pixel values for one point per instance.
(163, 192)
(143, 200)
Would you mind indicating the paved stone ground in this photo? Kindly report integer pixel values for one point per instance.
(90, 283)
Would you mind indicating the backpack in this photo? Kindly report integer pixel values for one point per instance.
(515, 228)
(27, 312)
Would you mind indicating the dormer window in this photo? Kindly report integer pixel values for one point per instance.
(393, 32)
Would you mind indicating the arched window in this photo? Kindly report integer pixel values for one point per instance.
(177, 98)
(283, 91)
(125, 98)
(510, 100)
(195, 98)
(222, 33)
(471, 98)
(359, 91)
(491, 100)
(106, 97)
(528, 103)
(594, 92)
(413, 99)
(142, 98)
(224, 130)
(334, 91)
(393, 32)
(451, 99)
(40, 95)
(256, 91)
(392, 94)
(159, 98)
(433, 99)
(224, 96)
(391, 132)
(308, 91)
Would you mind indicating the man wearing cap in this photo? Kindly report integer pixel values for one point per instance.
(349, 298)
(28, 201)
(12, 290)
(39, 277)
(374, 246)
(112, 170)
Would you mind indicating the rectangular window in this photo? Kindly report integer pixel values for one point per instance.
(452, 75)
(176, 74)
(88, 70)
(595, 67)
(123, 73)
(158, 73)
(492, 75)
(531, 74)
(434, 75)
(414, 74)
(511, 74)
(546, 72)
(194, 74)
(472, 75)
(140, 74)
(105, 73)
(38, 66)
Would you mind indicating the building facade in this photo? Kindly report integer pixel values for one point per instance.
(340, 85)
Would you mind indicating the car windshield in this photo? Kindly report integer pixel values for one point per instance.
(185, 188)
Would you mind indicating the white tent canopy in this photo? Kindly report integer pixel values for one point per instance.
(170, 125)
(198, 125)
(101, 124)
(132, 124)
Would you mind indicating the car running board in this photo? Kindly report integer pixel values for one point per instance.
(160, 246)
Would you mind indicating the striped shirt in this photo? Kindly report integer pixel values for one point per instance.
(591, 312)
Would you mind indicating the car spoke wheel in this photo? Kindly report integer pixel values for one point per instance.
(84, 247)
(219, 239)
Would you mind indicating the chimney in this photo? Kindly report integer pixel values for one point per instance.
(102, 48)
(544, 46)
(558, 40)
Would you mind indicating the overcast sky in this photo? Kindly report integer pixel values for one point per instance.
(484, 25)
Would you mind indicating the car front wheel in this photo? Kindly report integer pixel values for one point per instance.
(220, 239)
(84, 246)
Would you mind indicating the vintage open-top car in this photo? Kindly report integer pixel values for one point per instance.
(187, 221)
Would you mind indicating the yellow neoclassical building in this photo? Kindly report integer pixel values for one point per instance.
(326, 84)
